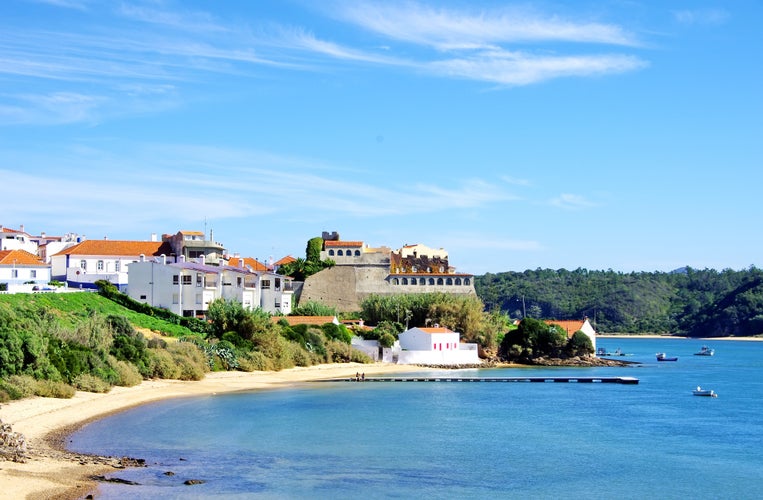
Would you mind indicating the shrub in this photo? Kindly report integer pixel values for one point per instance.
(254, 361)
(24, 385)
(91, 383)
(190, 360)
(54, 389)
(128, 373)
(162, 364)
(4, 396)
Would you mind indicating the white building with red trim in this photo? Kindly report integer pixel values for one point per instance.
(434, 346)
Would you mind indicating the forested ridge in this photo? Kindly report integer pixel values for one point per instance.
(693, 302)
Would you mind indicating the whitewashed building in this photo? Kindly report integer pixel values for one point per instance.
(187, 288)
(20, 271)
(81, 265)
(434, 346)
(17, 239)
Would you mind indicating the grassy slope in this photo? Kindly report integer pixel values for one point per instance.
(72, 307)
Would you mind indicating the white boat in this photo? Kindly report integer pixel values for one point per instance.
(704, 392)
(705, 351)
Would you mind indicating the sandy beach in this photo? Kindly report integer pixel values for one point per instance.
(51, 472)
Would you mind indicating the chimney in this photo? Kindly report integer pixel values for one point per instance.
(142, 258)
(203, 259)
(153, 237)
(21, 228)
(164, 260)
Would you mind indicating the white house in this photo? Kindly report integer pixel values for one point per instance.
(187, 288)
(434, 346)
(12, 239)
(21, 271)
(81, 265)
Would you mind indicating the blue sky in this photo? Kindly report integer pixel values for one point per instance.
(624, 135)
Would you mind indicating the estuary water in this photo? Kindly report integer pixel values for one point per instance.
(462, 440)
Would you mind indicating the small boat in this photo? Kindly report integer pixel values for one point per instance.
(704, 392)
(661, 356)
(705, 351)
(618, 352)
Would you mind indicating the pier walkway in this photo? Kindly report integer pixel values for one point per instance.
(582, 380)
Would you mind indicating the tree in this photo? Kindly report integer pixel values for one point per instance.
(579, 344)
(313, 250)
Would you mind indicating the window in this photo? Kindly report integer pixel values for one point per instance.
(357, 253)
(175, 298)
(15, 273)
(431, 281)
(278, 283)
(83, 264)
(449, 281)
(266, 284)
(395, 281)
(458, 281)
(117, 265)
(439, 281)
(198, 298)
(199, 279)
(99, 265)
(239, 281)
(142, 297)
(405, 281)
(339, 253)
(187, 279)
(331, 253)
(33, 273)
(422, 281)
(175, 279)
(466, 281)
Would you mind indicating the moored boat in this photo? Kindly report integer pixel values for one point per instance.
(704, 392)
(661, 356)
(705, 351)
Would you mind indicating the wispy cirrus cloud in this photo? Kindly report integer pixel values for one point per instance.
(570, 201)
(450, 29)
(701, 16)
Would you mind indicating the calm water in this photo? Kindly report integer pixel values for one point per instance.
(463, 440)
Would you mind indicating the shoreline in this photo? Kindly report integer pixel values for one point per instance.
(50, 471)
(655, 336)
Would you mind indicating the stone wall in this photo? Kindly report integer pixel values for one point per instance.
(345, 287)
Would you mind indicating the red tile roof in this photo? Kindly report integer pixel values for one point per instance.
(284, 260)
(436, 329)
(247, 263)
(342, 243)
(569, 326)
(117, 247)
(304, 320)
(19, 258)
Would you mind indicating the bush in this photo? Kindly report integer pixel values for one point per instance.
(54, 389)
(162, 365)
(4, 396)
(254, 361)
(22, 386)
(91, 383)
(128, 373)
(190, 360)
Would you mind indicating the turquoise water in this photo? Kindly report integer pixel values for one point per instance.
(462, 440)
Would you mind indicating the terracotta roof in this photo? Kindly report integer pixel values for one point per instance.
(569, 326)
(196, 233)
(117, 247)
(284, 260)
(305, 320)
(9, 230)
(247, 263)
(342, 243)
(437, 329)
(19, 258)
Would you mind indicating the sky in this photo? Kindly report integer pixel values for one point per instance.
(622, 134)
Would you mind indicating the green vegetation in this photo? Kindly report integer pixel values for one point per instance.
(300, 268)
(51, 344)
(686, 302)
(535, 338)
(462, 313)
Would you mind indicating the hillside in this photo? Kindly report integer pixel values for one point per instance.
(699, 303)
(71, 308)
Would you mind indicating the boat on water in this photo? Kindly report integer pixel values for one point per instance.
(661, 356)
(618, 352)
(704, 392)
(705, 351)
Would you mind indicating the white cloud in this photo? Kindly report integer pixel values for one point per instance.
(701, 16)
(451, 29)
(571, 202)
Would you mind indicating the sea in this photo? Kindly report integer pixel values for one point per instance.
(450, 440)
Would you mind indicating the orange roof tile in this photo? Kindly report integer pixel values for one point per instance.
(19, 258)
(247, 262)
(117, 247)
(569, 326)
(342, 243)
(304, 320)
(284, 260)
(436, 329)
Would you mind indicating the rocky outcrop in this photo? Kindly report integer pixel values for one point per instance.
(12, 444)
